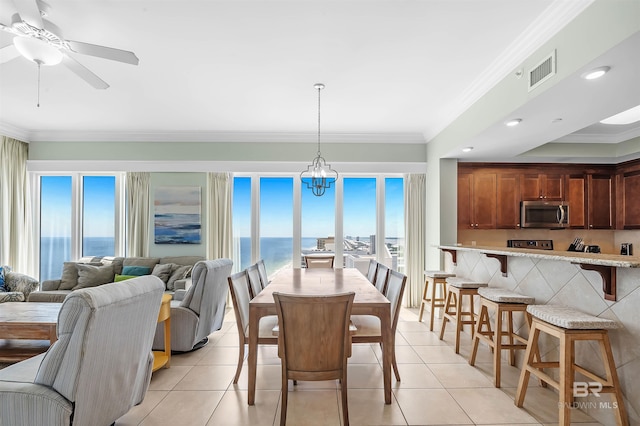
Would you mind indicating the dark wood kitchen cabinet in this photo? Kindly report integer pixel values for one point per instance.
(577, 200)
(508, 201)
(542, 186)
(477, 200)
(600, 202)
(629, 198)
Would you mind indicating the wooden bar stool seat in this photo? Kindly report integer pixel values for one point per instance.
(430, 295)
(457, 288)
(501, 301)
(569, 326)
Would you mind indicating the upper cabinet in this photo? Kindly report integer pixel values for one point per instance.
(477, 200)
(542, 186)
(599, 196)
(577, 200)
(508, 201)
(628, 184)
(600, 203)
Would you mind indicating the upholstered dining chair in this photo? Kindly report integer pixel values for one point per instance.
(255, 283)
(319, 261)
(382, 274)
(368, 326)
(371, 271)
(314, 341)
(240, 297)
(262, 269)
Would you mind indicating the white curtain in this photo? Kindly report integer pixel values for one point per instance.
(415, 236)
(219, 224)
(15, 208)
(138, 214)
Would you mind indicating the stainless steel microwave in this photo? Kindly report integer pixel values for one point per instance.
(544, 214)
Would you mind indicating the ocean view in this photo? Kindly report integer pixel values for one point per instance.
(276, 252)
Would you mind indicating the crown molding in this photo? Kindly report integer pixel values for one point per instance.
(554, 18)
(66, 136)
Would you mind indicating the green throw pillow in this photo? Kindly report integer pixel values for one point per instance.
(136, 270)
(124, 277)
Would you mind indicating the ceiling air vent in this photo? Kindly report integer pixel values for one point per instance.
(542, 71)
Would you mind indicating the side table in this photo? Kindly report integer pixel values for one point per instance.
(163, 358)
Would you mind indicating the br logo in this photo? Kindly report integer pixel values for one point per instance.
(581, 389)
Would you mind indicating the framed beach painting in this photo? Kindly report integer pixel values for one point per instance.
(177, 215)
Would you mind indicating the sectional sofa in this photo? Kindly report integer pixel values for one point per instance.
(174, 271)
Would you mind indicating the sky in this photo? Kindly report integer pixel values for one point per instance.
(318, 213)
(276, 207)
(56, 202)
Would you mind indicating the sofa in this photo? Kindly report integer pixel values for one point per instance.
(174, 271)
(14, 286)
(99, 367)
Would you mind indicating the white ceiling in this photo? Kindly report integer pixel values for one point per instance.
(221, 70)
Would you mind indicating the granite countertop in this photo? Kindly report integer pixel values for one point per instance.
(567, 256)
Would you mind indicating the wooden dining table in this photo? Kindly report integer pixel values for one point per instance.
(322, 281)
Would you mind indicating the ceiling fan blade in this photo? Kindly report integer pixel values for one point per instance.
(8, 53)
(29, 12)
(83, 72)
(103, 52)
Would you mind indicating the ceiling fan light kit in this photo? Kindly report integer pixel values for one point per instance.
(38, 51)
(40, 41)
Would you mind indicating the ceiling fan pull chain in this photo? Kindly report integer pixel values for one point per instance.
(38, 84)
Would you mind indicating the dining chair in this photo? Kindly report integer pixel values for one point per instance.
(255, 283)
(371, 272)
(316, 261)
(368, 326)
(240, 297)
(382, 274)
(262, 270)
(314, 341)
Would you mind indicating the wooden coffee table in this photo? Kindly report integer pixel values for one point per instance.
(34, 321)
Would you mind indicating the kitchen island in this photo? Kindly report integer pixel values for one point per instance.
(574, 279)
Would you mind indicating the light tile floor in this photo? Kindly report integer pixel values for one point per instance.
(438, 387)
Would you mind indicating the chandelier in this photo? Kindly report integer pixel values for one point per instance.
(319, 175)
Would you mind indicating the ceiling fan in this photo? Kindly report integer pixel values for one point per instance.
(40, 41)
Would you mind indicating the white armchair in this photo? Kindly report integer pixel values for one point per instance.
(99, 367)
(202, 309)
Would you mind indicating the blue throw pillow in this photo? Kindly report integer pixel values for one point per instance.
(2, 287)
(136, 270)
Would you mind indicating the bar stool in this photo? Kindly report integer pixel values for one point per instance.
(435, 278)
(569, 326)
(501, 301)
(457, 288)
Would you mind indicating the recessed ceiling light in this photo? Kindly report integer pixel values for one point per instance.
(467, 149)
(595, 73)
(513, 122)
(625, 117)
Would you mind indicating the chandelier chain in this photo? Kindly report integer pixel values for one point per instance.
(319, 89)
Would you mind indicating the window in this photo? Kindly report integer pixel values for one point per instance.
(79, 215)
(55, 225)
(359, 220)
(290, 221)
(318, 222)
(276, 222)
(98, 216)
(394, 221)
